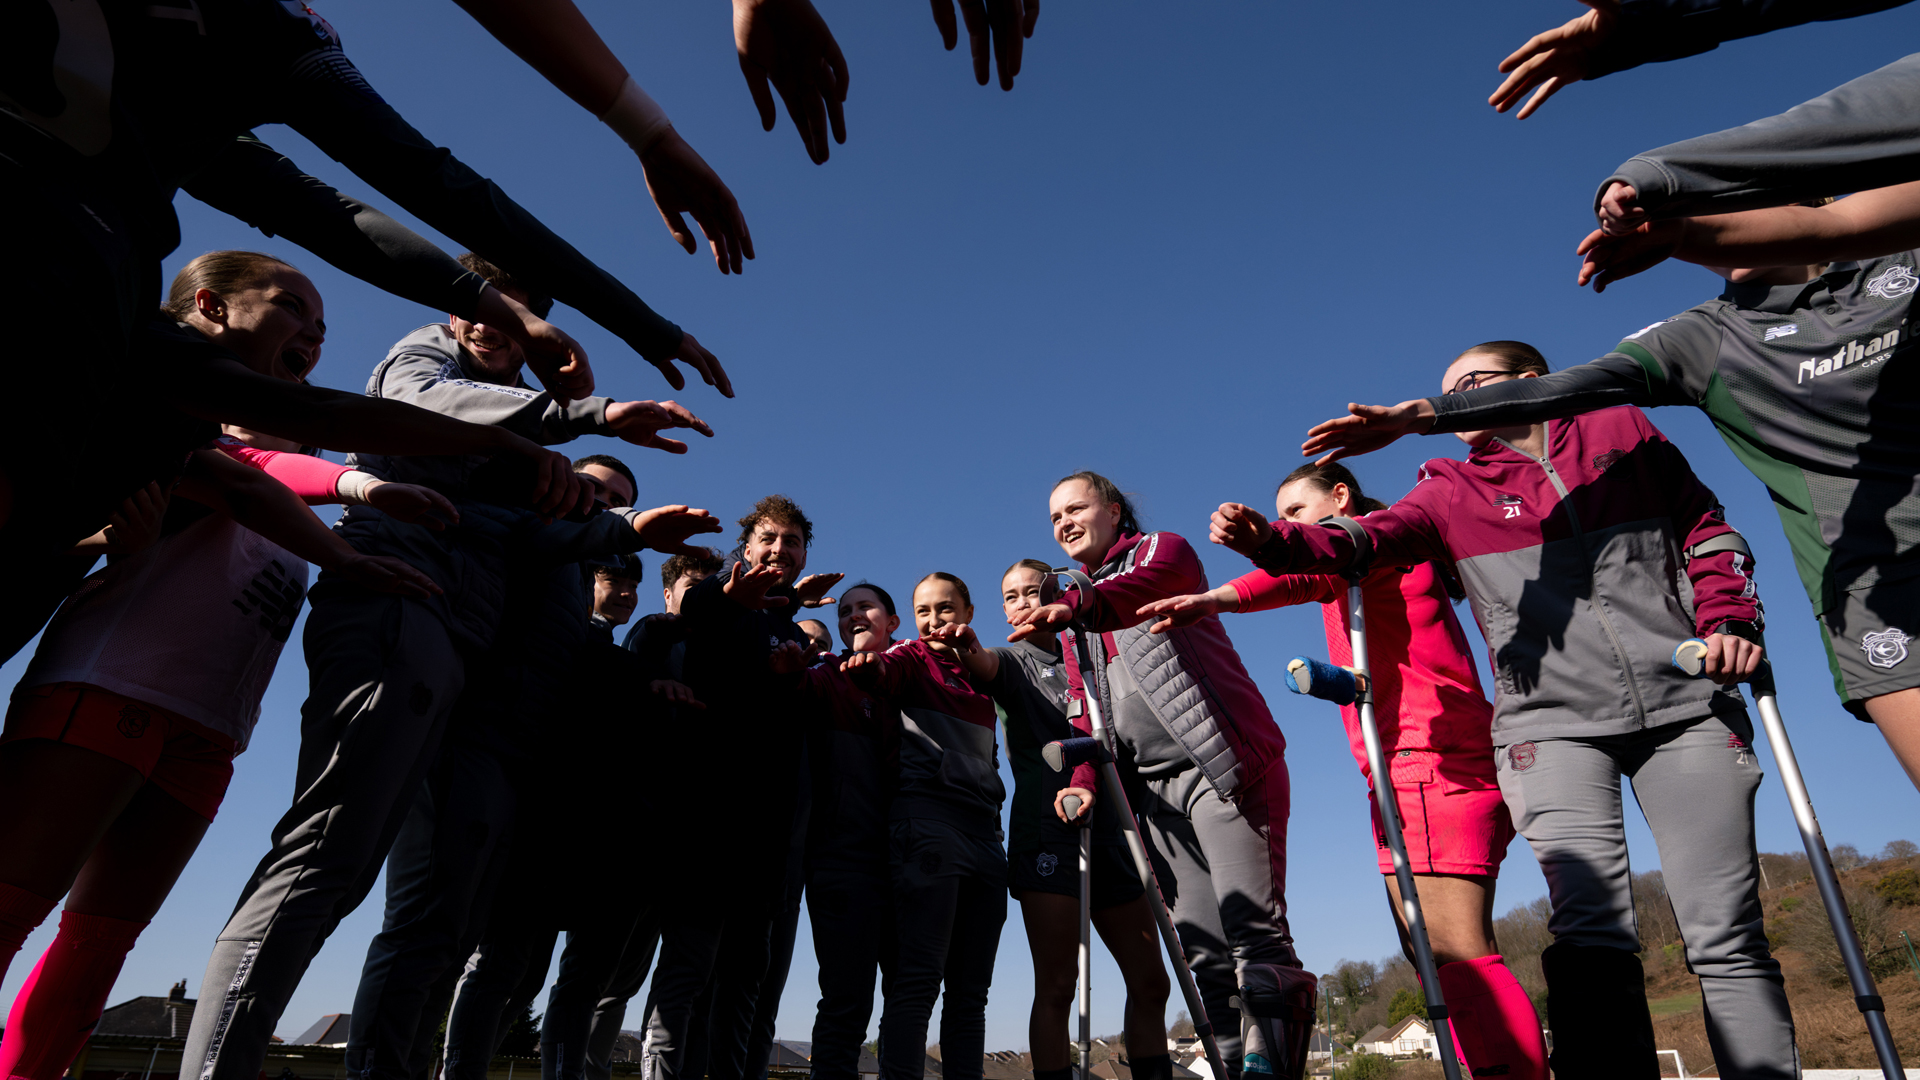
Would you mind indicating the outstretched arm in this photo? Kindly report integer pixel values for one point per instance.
(1863, 226)
(556, 40)
(786, 43)
(1614, 37)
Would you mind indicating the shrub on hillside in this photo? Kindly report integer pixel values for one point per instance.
(1367, 1067)
(1900, 888)
(1406, 1002)
(1872, 921)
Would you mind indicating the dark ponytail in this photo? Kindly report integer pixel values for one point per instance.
(1324, 477)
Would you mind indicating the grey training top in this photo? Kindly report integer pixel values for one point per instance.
(1156, 753)
(1807, 386)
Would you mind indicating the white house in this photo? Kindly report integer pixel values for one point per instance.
(1411, 1037)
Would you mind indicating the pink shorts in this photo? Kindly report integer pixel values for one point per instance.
(191, 763)
(1453, 819)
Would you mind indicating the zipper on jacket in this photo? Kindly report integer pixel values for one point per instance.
(1593, 579)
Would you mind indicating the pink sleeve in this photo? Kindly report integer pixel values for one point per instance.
(314, 479)
(1261, 591)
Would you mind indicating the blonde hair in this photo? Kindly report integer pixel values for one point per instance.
(221, 272)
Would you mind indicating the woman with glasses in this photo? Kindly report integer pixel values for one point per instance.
(120, 740)
(1589, 550)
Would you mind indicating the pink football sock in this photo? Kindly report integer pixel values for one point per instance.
(1493, 1020)
(21, 912)
(62, 1000)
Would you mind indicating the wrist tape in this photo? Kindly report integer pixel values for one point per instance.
(352, 487)
(636, 117)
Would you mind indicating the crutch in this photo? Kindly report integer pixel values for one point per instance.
(1351, 686)
(1072, 805)
(1690, 657)
(1098, 750)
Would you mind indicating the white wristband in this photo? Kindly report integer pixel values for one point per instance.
(636, 117)
(353, 485)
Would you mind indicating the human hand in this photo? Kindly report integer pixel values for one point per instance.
(1730, 659)
(1086, 804)
(864, 669)
(676, 692)
(132, 527)
(1045, 619)
(748, 586)
(789, 657)
(1178, 611)
(1005, 23)
(1554, 59)
(811, 590)
(557, 360)
(786, 42)
(1606, 259)
(1239, 527)
(384, 574)
(558, 491)
(957, 636)
(640, 423)
(699, 359)
(681, 182)
(666, 528)
(1366, 428)
(1619, 210)
(412, 503)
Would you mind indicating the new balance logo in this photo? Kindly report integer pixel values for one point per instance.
(1780, 331)
(1852, 353)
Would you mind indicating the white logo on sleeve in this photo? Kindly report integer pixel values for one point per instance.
(1780, 331)
(1893, 283)
(1884, 648)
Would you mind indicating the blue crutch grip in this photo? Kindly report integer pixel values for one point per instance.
(1690, 656)
(1065, 754)
(1319, 679)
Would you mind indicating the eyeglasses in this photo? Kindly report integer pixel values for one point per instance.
(1473, 379)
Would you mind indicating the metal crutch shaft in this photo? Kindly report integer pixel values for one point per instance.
(1169, 936)
(1689, 657)
(1072, 806)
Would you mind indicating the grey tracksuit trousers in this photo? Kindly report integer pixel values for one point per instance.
(611, 1010)
(1223, 873)
(441, 876)
(1695, 782)
(384, 673)
(504, 974)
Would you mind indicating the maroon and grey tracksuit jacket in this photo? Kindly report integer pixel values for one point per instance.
(1577, 566)
(1191, 677)
(854, 751)
(949, 753)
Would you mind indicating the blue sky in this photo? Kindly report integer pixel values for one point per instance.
(1189, 233)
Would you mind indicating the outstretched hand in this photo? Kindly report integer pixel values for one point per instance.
(957, 636)
(1045, 619)
(557, 490)
(812, 590)
(667, 528)
(678, 693)
(1177, 611)
(681, 182)
(412, 503)
(789, 657)
(133, 526)
(382, 573)
(640, 423)
(1366, 428)
(1606, 259)
(787, 43)
(864, 669)
(1239, 527)
(747, 586)
(994, 27)
(1554, 59)
(556, 359)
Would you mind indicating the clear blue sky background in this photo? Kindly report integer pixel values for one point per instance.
(1190, 232)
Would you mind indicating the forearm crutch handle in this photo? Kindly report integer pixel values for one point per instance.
(1319, 679)
(1067, 753)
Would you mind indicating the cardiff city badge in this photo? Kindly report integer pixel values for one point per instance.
(1885, 648)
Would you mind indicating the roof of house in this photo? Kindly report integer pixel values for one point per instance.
(783, 1056)
(1007, 1065)
(329, 1030)
(1374, 1034)
(1410, 1021)
(869, 1065)
(154, 1017)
